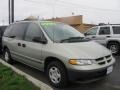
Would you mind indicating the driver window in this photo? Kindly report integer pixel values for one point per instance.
(92, 31)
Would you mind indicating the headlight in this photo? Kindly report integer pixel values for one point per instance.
(80, 62)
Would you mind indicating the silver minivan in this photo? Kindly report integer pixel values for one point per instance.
(59, 50)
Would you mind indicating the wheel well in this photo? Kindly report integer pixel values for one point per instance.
(51, 59)
(112, 42)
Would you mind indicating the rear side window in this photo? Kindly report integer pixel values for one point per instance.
(7, 31)
(17, 30)
(116, 29)
(104, 31)
(33, 30)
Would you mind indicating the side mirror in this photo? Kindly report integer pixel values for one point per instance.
(85, 34)
(40, 40)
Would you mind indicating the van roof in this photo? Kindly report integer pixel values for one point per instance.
(35, 21)
(109, 25)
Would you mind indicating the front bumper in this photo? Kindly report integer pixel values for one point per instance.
(75, 75)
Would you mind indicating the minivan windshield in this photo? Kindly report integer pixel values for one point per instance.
(59, 32)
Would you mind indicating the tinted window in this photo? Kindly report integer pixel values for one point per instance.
(33, 31)
(92, 31)
(104, 31)
(116, 29)
(18, 30)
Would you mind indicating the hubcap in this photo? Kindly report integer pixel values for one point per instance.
(114, 48)
(6, 57)
(54, 75)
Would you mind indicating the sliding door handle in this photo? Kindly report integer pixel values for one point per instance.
(19, 44)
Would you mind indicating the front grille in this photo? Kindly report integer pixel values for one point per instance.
(108, 56)
(103, 60)
(109, 60)
(101, 63)
(100, 59)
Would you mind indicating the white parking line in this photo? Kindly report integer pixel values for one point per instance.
(36, 82)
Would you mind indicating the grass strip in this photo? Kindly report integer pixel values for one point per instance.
(9, 80)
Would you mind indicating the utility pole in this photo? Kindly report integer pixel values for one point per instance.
(11, 11)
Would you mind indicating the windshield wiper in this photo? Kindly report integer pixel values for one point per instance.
(71, 38)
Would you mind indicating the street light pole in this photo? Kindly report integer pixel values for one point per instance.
(12, 5)
(11, 11)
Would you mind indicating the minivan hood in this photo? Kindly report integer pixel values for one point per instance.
(85, 50)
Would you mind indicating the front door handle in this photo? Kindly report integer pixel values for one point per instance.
(108, 36)
(24, 45)
(87, 38)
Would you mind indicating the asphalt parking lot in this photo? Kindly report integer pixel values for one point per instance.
(112, 82)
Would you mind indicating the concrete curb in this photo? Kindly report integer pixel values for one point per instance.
(36, 82)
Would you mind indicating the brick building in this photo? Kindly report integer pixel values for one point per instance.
(75, 21)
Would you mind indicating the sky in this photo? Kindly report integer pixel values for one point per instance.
(93, 11)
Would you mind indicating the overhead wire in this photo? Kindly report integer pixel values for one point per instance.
(73, 5)
(75, 8)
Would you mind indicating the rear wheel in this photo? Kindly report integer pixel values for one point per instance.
(114, 47)
(57, 74)
(7, 56)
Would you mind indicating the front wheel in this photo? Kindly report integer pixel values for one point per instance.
(7, 56)
(57, 74)
(114, 47)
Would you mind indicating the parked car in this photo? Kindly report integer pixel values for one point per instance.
(57, 49)
(108, 35)
(2, 29)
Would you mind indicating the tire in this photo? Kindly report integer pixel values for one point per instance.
(114, 47)
(7, 56)
(60, 74)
